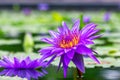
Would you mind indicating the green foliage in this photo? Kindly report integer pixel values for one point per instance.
(81, 21)
(57, 17)
(16, 7)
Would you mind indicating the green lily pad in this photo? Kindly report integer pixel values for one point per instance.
(11, 78)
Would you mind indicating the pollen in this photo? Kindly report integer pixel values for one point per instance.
(69, 41)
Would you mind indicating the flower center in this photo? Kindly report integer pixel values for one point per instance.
(69, 41)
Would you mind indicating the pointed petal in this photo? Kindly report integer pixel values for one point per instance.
(61, 53)
(94, 58)
(65, 70)
(86, 51)
(65, 66)
(45, 56)
(59, 64)
(8, 61)
(67, 50)
(81, 49)
(66, 59)
(65, 27)
(44, 71)
(94, 37)
(57, 50)
(89, 31)
(47, 40)
(93, 32)
(51, 60)
(53, 34)
(45, 50)
(27, 60)
(23, 64)
(87, 41)
(32, 65)
(60, 29)
(71, 53)
(16, 63)
(76, 26)
(78, 61)
(88, 27)
(3, 64)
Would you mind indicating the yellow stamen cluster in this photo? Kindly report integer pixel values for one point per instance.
(69, 43)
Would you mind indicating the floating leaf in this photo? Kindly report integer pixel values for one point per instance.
(9, 41)
(11, 78)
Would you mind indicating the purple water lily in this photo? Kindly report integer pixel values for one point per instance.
(70, 45)
(15, 63)
(26, 11)
(86, 19)
(43, 6)
(24, 73)
(107, 17)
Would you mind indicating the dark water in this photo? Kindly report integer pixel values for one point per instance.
(91, 74)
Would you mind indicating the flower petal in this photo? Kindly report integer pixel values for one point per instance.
(65, 65)
(60, 29)
(93, 32)
(66, 59)
(57, 50)
(76, 26)
(8, 61)
(51, 60)
(16, 63)
(23, 64)
(59, 64)
(46, 50)
(94, 58)
(94, 37)
(78, 61)
(65, 70)
(86, 41)
(47, 40)
(71, 53)
(86, 51)
(81, 49)
(65, 28)
(45, 56)
(59, 54)
(32, 64)
(27, 60)
(3, 64)
(87, 28)
(53, 34)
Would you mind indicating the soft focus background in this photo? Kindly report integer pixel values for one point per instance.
(24, 22)
(57, 1)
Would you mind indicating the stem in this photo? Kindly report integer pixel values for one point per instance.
(79, 73)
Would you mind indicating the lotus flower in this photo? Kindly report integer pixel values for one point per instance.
(27, 11)
(86, 19)
(107, 17)
(70, 45)
(16, 63)
(43, 6)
